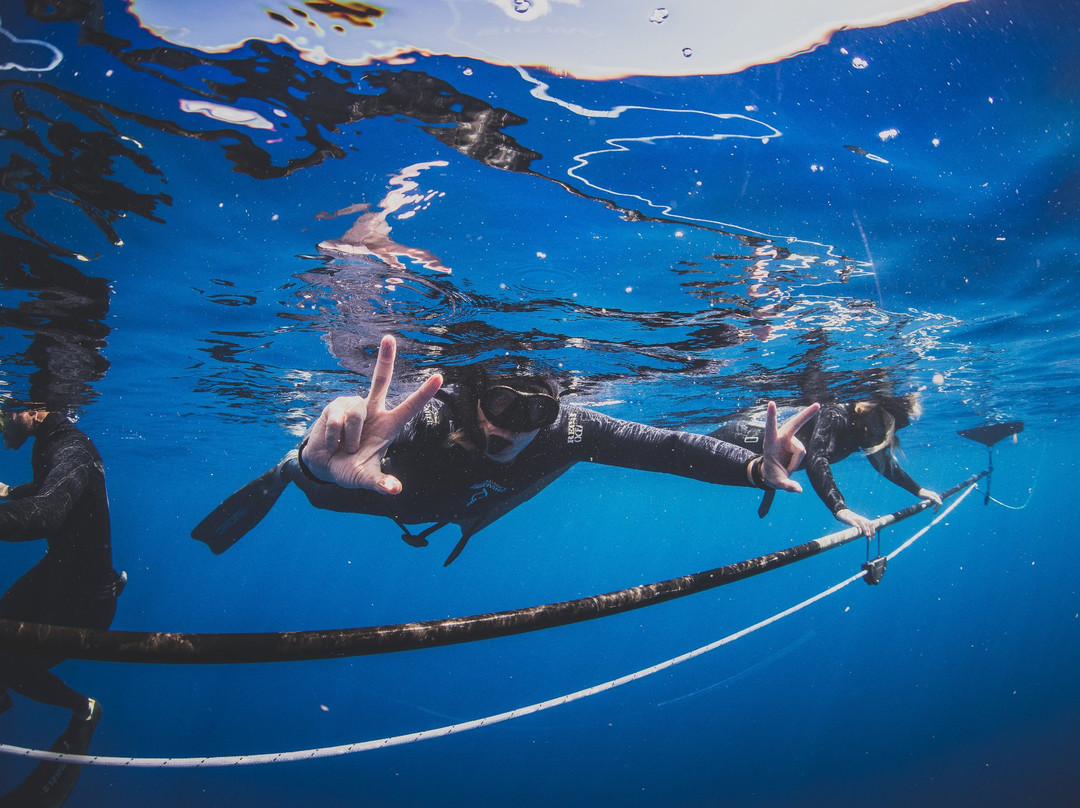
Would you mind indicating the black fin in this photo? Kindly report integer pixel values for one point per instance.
(50, 783)
(991, 433)
(766, 503)
(238, 514)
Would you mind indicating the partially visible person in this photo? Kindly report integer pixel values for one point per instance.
(470, 453)
(838, 431)
(74, 584)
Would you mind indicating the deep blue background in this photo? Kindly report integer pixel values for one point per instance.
(951, 682)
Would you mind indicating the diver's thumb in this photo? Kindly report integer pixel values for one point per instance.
(788, 485)
(388, 484)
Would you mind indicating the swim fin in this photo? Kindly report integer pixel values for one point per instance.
(766, 503)
(238, 514)
(51, 782)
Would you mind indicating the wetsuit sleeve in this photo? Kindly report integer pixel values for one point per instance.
(47, 505)
(613, 442)
(821, 450)
(889, 468)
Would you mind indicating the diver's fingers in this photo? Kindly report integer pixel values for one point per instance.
(770, 426)
(356, 409)
(778, 478)
(407, 409)
(796, 422)
(798, 452)
(384, 372)
(332, 423)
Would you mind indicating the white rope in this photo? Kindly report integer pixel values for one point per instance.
(996, 501)
(451, 729)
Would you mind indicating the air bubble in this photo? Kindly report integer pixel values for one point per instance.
(859, 63)
(659, 15)
(687, 52)
(522, 6)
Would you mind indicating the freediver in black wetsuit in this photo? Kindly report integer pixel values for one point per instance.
(469, 455)
(838, 431)
(75, 583)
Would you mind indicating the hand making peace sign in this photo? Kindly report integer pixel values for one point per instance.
(347, 443)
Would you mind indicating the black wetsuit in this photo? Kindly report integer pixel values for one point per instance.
(75, 583)
(446, 482)
(830, 436)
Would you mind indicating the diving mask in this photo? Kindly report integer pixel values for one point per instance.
(516, 411)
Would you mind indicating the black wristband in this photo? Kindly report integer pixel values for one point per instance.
(303, 466)
(757, 473)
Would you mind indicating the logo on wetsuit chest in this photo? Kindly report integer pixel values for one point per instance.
(573, 428)
(482, 490)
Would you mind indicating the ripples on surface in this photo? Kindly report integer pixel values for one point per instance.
(484, 214)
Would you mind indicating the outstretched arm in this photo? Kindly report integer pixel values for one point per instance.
(889, 467)
(347, 443)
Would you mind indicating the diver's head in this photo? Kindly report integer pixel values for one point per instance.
(18, 419)
(881, 416)
(510, 412)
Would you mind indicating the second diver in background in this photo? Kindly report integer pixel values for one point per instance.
(838, 431)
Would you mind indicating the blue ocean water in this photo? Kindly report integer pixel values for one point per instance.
(201, 247)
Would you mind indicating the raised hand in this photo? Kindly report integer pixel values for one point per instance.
(347, 443)
(782, 451)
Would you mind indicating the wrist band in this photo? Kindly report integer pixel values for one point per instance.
(303, 466)
(757, 474)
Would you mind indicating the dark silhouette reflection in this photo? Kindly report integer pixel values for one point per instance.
(450, 326)
(63, 315)
(318, 101)
(814, 375)
(739, 297)
(54, 160)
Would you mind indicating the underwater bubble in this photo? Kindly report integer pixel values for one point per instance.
(859, 64)
(938, 379)
(687, 52)
(522, 6)
(659, 15)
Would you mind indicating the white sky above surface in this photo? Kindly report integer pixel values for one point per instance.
(592, 40)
